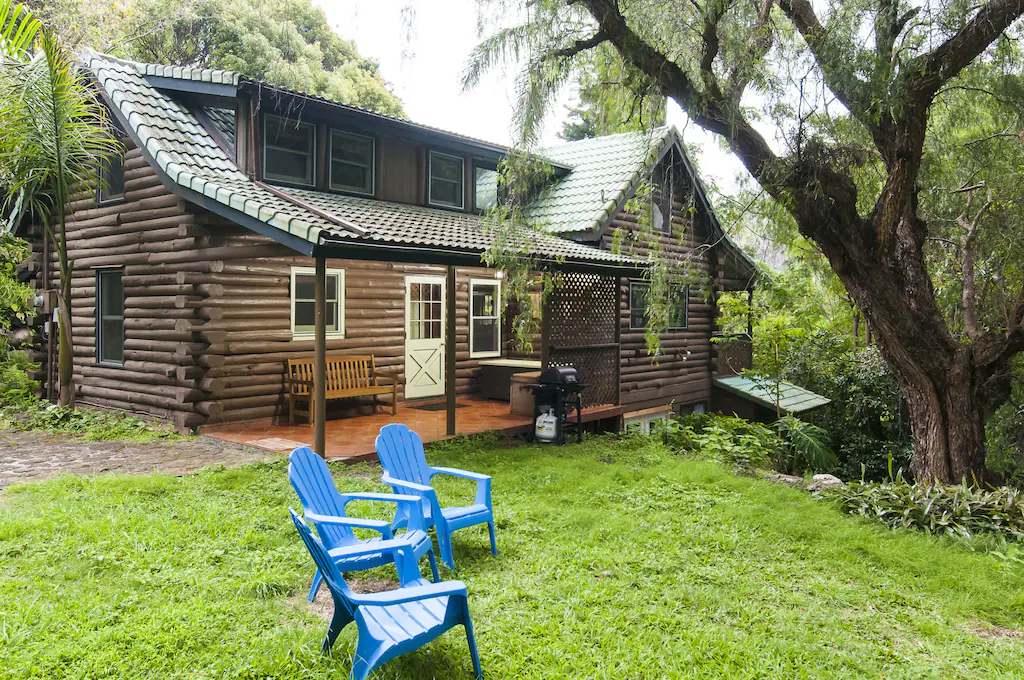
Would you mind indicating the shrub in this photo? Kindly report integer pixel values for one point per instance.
(804, 447)
(961, 511)
(17, 390)
(728, 440)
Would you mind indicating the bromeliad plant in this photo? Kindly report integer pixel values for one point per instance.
(959, 510)
(55, 135)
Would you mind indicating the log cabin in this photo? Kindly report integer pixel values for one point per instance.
(246, 225)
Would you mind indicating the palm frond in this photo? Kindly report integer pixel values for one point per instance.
(18, 28)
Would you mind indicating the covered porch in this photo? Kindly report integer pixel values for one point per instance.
(351, 439)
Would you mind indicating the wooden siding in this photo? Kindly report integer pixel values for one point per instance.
(682, 373)
(208, 310)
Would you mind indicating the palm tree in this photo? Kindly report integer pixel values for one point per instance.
(55, 135)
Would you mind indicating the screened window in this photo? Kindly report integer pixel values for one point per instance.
(485, 191)
(304, 302)
(111, 184)
(109, 317)
(447, 174)
(638, 306)
(485, 318)
(288, 150)
(351, 162)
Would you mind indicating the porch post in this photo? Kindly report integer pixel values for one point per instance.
(449, 349)
(320, 359)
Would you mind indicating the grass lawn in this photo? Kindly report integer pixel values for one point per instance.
(616, 560)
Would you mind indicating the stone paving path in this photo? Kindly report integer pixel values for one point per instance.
(33, 456)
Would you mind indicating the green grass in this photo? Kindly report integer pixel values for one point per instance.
(712, 576)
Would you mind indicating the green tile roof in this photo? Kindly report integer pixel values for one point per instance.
(604, 171)
(186, 153)
(792, 399)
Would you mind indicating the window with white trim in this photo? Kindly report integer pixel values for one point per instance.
(110, 317)
(484, 318)
(447, 180)
(351, 164)
(289, 150)
(638, 311)
(303, 294)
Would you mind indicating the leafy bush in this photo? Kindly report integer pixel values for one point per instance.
(961, 511)
(17, 390)
(728, 440)
(804, 446)
(866, 417)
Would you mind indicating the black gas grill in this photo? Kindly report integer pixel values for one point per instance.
(557, 392)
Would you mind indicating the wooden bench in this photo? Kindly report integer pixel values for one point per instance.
(347, 376)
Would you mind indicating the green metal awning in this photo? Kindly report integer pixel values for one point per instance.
(792, 399)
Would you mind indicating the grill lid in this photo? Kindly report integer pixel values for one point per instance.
(559, 375)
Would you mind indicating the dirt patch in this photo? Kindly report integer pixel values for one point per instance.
(990, 632)
(34, 456)
(323, 605)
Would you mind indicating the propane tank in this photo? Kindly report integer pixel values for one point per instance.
(546, 427)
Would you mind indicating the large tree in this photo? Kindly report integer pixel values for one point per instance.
(288, 43)
(827, 105)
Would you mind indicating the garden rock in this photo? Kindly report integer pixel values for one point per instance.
(779, 478)
(822, 482)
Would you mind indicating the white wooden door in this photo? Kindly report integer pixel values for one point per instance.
(424, 336)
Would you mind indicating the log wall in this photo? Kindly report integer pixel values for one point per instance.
(682, 373)
(208, 310)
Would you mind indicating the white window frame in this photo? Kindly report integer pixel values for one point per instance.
(496, 284)
(330, 162)
(311, 271)
(312, 153)
(430, 180)
(686, 307)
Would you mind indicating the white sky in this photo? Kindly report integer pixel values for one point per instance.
(424, 67)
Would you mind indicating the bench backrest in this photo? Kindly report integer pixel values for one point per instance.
(343, 372)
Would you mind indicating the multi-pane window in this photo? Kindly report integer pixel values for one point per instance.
(289, 150)
(109, 317)
(447, 178)
(485, 191)
(351, 162)
(485, 318)
(111, 180)
(638, 315)
(426, 310)
(304, 302)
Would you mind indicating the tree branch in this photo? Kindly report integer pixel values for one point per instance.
(579, 46)
(838, 77)
(713, 113)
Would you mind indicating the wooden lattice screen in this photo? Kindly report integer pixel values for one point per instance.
(581, 329)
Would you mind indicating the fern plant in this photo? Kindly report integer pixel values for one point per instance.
(804, 446)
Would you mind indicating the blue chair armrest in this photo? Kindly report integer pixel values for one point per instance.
(402, 484)
(483, 482)
(401, 550)
(412, 594)
(383, 528)
(465, 474)
(408, 510)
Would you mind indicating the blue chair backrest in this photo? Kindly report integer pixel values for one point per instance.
(401, 453)
(312, 481)
(324, 563)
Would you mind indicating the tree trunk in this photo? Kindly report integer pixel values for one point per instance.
(65, 357)
(947, 421)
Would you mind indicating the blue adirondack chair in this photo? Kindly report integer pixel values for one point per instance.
(325, 508)
(393, 622)
(405, 469)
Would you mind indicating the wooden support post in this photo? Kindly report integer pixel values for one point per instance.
(449, 349)
(545, 331)
(320, 359)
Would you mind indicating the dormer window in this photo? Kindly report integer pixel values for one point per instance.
(289, 149)
(447, 179)
(351, 166)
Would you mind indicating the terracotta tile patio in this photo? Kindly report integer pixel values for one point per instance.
(351, 439)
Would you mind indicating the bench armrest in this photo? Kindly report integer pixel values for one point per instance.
(389, 375)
